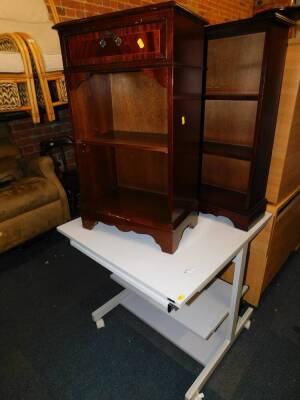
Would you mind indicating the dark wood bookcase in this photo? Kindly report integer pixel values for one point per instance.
(245, 61)
(135, 88)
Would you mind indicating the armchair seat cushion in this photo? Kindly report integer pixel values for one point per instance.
(11, 63)
(53, 62)
(25, 195)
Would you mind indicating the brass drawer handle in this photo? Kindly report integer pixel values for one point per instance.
(102, 43)
(107, 35)
(118, 40)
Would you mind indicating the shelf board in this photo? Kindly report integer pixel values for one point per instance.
(203, 313)
(135, 206)
(222, 95)
(228, 150)
(187, 331)
(222, 197)
(206, 313)
(187, 96)
(155, 142)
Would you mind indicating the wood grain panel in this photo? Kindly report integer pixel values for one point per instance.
(285, 238)
(234, 63)
(228, 121)
(225, 172)
(284, 174)
(186, 143)
(93, 95)
(142, 170)
(139, 103)
(270, 249)
(97, 174)
(255, 267)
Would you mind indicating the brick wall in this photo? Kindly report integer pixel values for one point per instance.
(28, 136)
(213, 10)
(261, 5)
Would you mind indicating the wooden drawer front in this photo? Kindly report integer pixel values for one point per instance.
(138, 42)
(285, 238)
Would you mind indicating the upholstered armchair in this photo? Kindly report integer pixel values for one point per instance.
(32, 199)
(31, 21)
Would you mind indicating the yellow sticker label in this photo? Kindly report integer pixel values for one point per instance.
(140, 43)
(183, 120)
(181, 297)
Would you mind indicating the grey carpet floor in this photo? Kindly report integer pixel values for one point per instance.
(51, 350)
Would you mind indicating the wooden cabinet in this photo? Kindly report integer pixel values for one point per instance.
(245, 62)
(284, 174)
(135, 88)
(271, 248)
(136, 42)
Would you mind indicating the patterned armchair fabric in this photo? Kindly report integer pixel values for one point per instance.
(17, 90)
(30, 21)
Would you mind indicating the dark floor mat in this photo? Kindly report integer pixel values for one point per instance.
(51, 350)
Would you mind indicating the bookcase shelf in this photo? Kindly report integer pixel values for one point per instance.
(228, 150)
(224, 198)
(230, 121)
(221, 95)
(234, 61)
(226, 172)
(135, 206)
(137, 140)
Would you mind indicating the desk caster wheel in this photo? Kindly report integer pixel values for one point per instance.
(248, 325)
(199, 396)
(100, 323)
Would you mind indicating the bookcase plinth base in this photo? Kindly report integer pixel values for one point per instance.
(241, 219)
(168, 239)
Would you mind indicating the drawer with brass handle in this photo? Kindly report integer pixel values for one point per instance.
(145, 41)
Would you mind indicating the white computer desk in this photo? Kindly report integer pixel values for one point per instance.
(178, 295)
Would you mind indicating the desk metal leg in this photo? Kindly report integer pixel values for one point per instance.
(235, 327)
(98, 314)
(237, 287)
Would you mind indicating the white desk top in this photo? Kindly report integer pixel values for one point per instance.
(203, 252)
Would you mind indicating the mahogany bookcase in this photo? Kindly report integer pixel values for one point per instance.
(135, 88)
(245, 61)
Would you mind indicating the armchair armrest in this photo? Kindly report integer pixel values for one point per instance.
(36, 54)
(34, 50)
(44, 167)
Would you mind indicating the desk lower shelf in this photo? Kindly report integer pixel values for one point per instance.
(203, 314)
(207, 311)
(180, 335)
